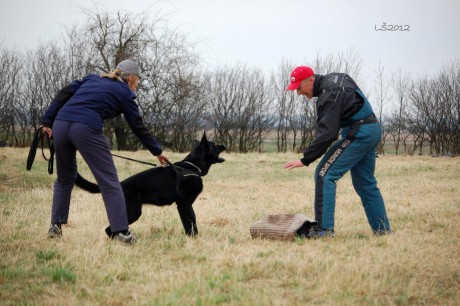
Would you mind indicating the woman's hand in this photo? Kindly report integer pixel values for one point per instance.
(163, 159)
(48, 131)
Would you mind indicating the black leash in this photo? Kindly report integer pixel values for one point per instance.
(39, 136)
(38, 140)
(135, 160)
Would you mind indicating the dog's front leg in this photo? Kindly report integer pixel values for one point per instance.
(187, 216)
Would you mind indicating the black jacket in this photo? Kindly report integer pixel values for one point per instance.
(337, 102)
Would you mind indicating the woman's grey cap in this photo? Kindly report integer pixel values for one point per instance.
(130, 67)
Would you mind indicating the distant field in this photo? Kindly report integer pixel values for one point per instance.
(419, 264)
(270, 146)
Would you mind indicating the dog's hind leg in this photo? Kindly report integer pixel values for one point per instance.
(108, 231)
(133, 206)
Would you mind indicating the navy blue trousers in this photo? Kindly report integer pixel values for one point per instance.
(358, 156)
(68, 137)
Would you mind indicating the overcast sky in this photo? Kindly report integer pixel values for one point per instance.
(260, 33)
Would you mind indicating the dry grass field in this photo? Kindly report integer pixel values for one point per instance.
(419, 264)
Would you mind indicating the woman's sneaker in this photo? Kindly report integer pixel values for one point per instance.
(124, 237)
(55, 231)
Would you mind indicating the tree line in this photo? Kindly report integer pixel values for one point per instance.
(242, 107)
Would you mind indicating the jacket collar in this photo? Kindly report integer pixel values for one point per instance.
(318, 80)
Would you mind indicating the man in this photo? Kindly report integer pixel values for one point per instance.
(340, 105)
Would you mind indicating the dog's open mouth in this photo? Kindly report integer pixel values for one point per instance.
(220, 160)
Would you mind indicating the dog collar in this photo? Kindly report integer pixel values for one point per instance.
(187, 162)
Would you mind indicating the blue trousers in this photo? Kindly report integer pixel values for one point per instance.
(358, 156)
(68, 137)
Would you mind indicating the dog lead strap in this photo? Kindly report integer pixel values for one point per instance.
(38, 140)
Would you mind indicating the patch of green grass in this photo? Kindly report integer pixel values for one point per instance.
(15, 272)
(215, 289)
(60, 274)
(45, 256)
(263, 254)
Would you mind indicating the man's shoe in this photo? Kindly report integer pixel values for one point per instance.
(303, 231)
(316, 233)
(55, 231)
(125, 237)
(382, 232)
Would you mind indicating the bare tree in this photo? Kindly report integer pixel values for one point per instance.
(381, 100)
(79, 54)
(238, 110)
(254, 113)
(306, 117)
(434, 111)
(224, 94)
(455, 112)
(113, 38)
(283, 103)
(46, 72)
(349, 62)
(189, 106)
(174, 95)
(10, 73)
(164, 54)
(180, 99)
(422, 102)
(398, 128)
(417, 123)
(445, 91)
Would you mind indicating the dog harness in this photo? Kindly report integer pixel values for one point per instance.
(182, 172)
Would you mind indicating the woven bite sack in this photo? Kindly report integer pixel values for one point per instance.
(282, 227)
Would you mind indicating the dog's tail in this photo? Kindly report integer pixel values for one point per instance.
(86, 185)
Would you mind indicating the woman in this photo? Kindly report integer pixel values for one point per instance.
(75, 120)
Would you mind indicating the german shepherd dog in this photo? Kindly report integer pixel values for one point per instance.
(180, 182)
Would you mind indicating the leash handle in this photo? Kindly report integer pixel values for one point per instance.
(36, 142)
(33, 149)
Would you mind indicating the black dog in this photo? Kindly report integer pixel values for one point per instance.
(180, 182)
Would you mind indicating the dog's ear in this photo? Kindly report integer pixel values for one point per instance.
(204, 139)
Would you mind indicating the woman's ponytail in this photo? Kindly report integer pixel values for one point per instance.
(115, 74)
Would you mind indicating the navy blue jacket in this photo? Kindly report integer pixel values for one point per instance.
(93, 99)
(339, 99)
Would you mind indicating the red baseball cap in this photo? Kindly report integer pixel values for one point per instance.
(298, 75)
